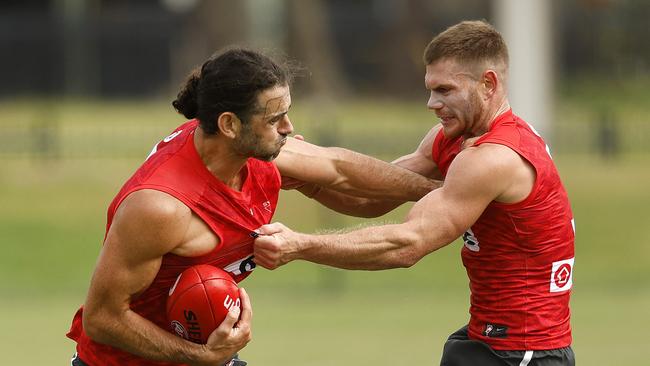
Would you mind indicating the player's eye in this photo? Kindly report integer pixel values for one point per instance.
(276, 119)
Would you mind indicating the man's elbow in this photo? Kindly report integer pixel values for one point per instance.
(94, 325)
(413, 249)
(416, 244)
(408, 258)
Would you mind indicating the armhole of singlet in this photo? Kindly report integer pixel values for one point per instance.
(278, 175)
(186, 201)
(535, 188)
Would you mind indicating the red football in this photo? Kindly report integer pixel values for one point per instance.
(199, 301)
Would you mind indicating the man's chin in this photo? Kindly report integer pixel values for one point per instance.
(267, 158)
(450, 132)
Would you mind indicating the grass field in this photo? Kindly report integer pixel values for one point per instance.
(52, 215)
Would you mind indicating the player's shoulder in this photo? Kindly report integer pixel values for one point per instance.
(434, 133)
(154, 206)
(491, 151)
(491, 158)
(426, 145)
(149, 224)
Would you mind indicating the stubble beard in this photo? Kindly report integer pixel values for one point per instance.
(250, 145)
(474, 113)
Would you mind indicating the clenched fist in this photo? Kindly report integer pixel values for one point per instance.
(275, 245)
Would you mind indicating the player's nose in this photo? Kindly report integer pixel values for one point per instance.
(434, 103)
(285, 127)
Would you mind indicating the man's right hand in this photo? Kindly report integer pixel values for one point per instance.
(232, 334)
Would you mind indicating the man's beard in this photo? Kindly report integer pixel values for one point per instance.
(250, 145)
(472, 113)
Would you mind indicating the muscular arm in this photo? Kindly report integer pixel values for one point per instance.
(148, 225)
(475, 178)
(351, 173)
(420, 162)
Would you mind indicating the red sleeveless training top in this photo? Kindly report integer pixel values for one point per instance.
(174, 167)
(519, 257)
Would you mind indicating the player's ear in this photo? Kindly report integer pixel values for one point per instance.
(489, 81)
(229, 124)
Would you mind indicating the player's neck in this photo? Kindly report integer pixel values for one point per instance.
(503, 108)
(490, 116)
(219, 159)
(487, 117)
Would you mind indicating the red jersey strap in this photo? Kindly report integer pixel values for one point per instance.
(507, 134)
(444, 150)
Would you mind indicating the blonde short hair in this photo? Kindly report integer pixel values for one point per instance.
(469, 42)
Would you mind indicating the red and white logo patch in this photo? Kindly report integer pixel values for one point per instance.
(562, 275)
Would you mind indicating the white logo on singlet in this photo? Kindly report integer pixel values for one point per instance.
(471, 242)
(166, 139)
(170, 137)
(241, 266)
(561, 275)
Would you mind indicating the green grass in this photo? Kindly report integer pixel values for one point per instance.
(52, 225)
(52, 217)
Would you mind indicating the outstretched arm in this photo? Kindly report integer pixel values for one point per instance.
(363, 205)
(147, 225)
(350, 172)
(473, 181)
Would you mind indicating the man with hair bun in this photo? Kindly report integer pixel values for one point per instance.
(198, 198)
(502, 194)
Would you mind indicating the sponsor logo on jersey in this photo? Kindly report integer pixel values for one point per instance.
(241, 266)
(495, 331)
(266, 205)
(562, 275)
(471, 242)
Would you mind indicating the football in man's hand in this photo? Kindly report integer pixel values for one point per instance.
(199, 301)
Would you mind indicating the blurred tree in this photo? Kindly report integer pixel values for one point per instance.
(371, 46)
(207, 27)
(314, 46)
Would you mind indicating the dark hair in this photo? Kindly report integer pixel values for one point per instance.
(469, 42)
(229, 81)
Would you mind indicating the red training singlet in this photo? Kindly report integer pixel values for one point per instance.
(174, 167)
(519, 257)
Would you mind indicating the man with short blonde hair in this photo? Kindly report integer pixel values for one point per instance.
(501, 193)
